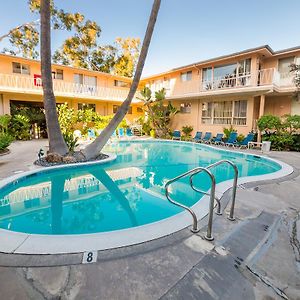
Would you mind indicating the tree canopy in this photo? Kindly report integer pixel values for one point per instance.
(81, 49)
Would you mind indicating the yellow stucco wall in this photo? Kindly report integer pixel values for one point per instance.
(194, 118)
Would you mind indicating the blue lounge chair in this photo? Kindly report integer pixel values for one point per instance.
(91, 134)
(121, 132)
(245, 141)
(218, 139)
(232, 139)
(129, 132)
(197, 137)
(176, 135)
(207, 137)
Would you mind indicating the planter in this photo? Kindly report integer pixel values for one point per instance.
(4, 152)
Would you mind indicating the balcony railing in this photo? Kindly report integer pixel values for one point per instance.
(26, 84)
(263, 77)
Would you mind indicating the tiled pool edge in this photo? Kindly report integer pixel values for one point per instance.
(20, 243)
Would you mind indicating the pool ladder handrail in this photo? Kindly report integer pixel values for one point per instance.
(194, 172)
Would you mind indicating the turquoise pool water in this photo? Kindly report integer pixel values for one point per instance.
(125, 193)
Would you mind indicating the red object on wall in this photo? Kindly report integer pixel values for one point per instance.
(37, 80)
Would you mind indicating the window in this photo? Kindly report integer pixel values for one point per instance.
(222, 112)
(58, 74)
(78, 78)
(186, 76)
(85, 106)
(240, 112)
(185, 108)
(166, 83)
(115, 108)
(229, 75)
(120, 83)
(21, 68)
(90, 80)
(85, 84)
(225, 112)
(207, 112)
(284, 64)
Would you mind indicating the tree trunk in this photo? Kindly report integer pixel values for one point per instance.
(94, 148)
(57, 143)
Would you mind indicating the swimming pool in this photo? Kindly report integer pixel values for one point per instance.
(123, 194)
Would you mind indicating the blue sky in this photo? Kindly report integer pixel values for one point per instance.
(187, 31)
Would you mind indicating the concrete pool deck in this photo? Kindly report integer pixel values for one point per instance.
(255, 257)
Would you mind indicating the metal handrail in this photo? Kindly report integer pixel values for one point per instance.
(234, 186)
(212, 194)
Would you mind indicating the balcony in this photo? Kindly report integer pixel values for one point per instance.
(30, 85)
(261, 79)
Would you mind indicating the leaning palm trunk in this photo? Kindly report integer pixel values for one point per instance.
(56, 140)
(94, 148)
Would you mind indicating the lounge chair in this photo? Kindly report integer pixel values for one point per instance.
(197, 137)
(218, 139)
(129, 132)
(245, 141)
(231, 140)
(91, 134)
(121, 132)
(176, 135)
(207, 137)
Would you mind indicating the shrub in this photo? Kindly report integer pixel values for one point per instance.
(5, 140)
(280, 141)
(228, 131)
(4, 123)
(269, 123)
(187, 130)
(71, 141)
(20, 127)
(240, 137)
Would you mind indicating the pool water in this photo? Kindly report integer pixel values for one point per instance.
(125, 193)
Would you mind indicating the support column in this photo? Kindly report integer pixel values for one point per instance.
(261, 113)
(6, 104)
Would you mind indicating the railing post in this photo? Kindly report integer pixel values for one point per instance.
(209, 236)
(234, 188)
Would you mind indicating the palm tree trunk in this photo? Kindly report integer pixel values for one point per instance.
(56, 141)
(94, 148)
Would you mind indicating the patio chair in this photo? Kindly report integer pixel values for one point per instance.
(207, 137)
(218, 139)
(129, 132)
(197, 137)
(245, 141)
(121, 132)
(176, 135)
(231, 140)
(91, 134)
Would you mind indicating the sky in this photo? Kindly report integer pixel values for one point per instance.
(187, 31)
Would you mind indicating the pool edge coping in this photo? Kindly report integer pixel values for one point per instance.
(38, 244)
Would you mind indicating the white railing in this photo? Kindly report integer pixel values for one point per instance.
(19, 83)
(262, 77)
(230, 81)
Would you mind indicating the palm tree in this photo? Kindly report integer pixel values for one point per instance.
(57, 143)
(93, 149)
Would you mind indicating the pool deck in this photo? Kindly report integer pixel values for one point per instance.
(255, 257)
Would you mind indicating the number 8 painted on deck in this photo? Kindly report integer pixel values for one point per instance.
(89, 257)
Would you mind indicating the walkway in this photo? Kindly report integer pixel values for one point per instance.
(255, 257)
